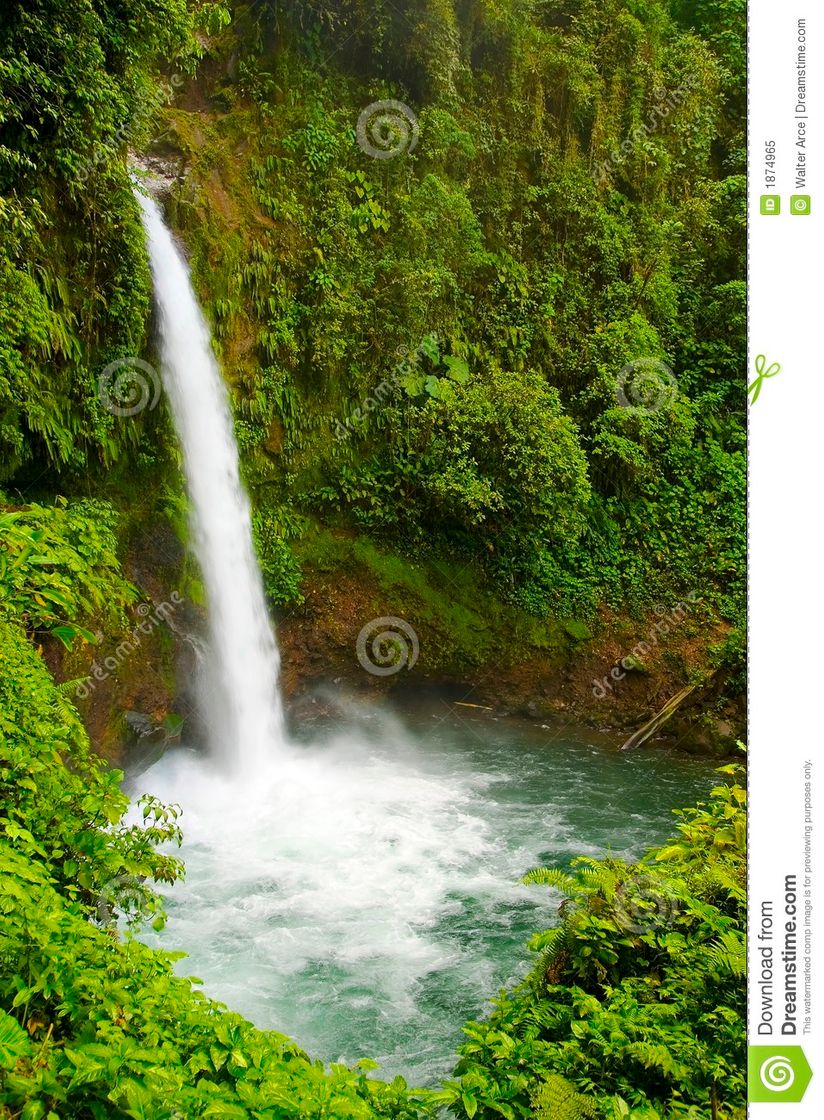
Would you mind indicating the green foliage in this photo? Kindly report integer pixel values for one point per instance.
(273, 529)
(58, 564)
(488, 460)
(62, 805)
(76, 89)
(59, 49)
(556, 1099)
(565, 213)
(93, 1023)
(637, 1003)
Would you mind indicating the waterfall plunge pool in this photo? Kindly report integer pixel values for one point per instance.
(361, 892)
(358, 890)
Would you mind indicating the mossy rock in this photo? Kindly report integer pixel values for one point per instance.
(578, 631)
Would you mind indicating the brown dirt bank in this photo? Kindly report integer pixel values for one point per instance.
(457, 635)
(319, 641)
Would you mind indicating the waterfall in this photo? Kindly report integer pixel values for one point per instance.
(240, 692)
(356, 888)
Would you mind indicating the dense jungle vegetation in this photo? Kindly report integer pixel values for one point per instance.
(425, 348)
(428, 351)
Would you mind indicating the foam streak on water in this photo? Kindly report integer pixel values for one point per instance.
(240, 690)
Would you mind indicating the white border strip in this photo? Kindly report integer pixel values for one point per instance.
(786, 561)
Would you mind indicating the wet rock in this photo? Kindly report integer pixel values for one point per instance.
(146, 738)
(141, 724)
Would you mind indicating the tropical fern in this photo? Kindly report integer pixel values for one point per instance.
(654, 1055)
(557, 1099)
(728, 955)
(552, 877)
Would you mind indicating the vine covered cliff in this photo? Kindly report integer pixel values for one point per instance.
(490, 335)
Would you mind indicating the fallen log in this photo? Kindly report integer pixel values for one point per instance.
(660, 718)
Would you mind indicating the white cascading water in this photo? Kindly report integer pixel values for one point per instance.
(245, 719)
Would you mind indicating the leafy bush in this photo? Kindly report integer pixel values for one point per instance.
(59, 564)
(97, 1027)
(95, 1024)
(498, 456)
(63, 806)
(273, 529)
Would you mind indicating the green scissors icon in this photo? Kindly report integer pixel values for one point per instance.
(763, 373)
